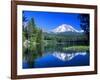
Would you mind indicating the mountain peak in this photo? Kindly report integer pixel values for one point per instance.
(64, 28)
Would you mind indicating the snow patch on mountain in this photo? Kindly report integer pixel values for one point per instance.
(65, 28)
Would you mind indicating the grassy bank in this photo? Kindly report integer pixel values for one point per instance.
(76, 48)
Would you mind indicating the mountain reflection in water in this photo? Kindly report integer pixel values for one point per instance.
(54, 56)
(67, 56)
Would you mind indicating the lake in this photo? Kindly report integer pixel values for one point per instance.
(54, 56)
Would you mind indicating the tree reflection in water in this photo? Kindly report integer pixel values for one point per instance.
(40, 53)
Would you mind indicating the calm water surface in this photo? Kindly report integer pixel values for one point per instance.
(54, 56)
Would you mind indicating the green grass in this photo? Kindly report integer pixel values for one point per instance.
(76, 48)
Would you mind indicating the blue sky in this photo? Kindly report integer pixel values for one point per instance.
(50, 20)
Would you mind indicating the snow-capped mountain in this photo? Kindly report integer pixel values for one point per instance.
(65, 28)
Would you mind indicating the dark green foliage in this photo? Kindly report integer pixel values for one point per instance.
(85, 24)
(33, 34)
(39, 36)
(67, 37)
(24, 19)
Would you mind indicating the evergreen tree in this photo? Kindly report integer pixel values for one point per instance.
(85, 23)
(39, 36)
(24, 19)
